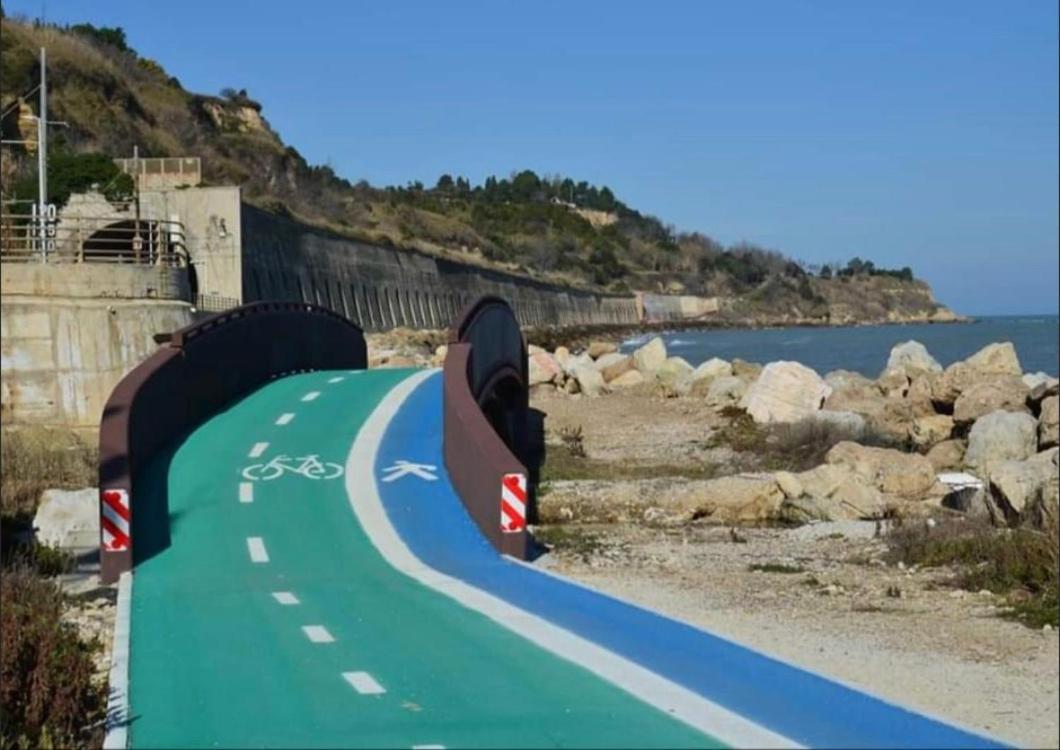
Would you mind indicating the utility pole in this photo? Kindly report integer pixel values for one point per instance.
(42, 157)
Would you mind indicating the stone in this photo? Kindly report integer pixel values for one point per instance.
(749, 371)
(544, 368)
(1049, 423)
(789, 484)
(712, 368)
(1001, 392)
(1033, 379)
(785, 392)
(947, 455)
(848, 423)
(860, 396)
(534, 349)
(832, 493)
(912, 357)
(672, 382)
(842, 379)
(590, 381)
(439, 355)
(1000, 436)
(904, 475)
(678, 366)
(990, 361)
(578, 360)
(628, 379)
(1043, 391)
(927, 431)
(612, 366)
(562, 355)
(894, 383)
(651, 356)
(399, 360)
(739, 498)
(1018, 485)
(68, 519)
(598, 349)
(726, 390)
(571, 386)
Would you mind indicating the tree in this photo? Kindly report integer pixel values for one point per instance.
(445, 183)
(107, 35)
(826, 271)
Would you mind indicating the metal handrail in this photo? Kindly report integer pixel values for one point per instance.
(92, 240)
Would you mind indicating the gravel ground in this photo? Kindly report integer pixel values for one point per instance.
(905, 635)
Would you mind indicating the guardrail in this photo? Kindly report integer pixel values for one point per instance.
(200, 369)
(25, 238)
(485, 421)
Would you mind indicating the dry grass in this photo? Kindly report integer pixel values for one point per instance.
(1021, 563)
(790, 447)
(35, 459)
(561, 463)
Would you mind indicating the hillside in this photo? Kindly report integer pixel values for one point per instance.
(551, 227)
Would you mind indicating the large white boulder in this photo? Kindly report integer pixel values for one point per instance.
(1000, 436)
(1018, 485)
(785, 392)
(726, 390)
(590, 381)
(712, 368)
(1049, 423)
(986, 364)
(1000, 392)
(544, 368)
(651, 356)
(598, 349)
(912, 357)
(68, 519)
(908, 476)
(614, 365)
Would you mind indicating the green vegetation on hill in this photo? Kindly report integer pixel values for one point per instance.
(554, 227)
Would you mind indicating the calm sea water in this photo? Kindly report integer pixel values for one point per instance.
(865, 349)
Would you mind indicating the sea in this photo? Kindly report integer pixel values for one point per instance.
(865, 349)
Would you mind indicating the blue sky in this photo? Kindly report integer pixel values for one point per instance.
(911, 133)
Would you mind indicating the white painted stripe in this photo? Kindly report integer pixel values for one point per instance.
(516, 503)
(317, 634)
(428, 747)
(336, 379)
(363, 683)
(285, 598)
(284, 418)
(680, 702)
(257, 450)
(256, 548)
(246, 492)
(311, 396)
(118, 521)
(118, 716)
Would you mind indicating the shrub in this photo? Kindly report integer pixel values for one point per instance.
(35, 459)
(1019, 563)
(47, 694)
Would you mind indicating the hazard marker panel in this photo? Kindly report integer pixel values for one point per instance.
(114, 519)
(513, 503)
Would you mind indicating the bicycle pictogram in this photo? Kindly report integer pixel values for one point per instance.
(310, 467)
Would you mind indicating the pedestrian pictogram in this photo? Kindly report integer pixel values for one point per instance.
(402, 468)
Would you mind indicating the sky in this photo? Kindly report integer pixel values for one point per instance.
(906, 132)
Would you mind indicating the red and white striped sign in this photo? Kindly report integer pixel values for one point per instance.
(513, 503)
(114, 519)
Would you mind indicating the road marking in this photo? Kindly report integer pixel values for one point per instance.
(285, 598)
(336, 379)
(257, 450)
(317, 634)
(285, 418)
(363, 683)
(654, 689)
(428, 747)
(246, 492)
(311, 396)
(256, 548)
(401, 468)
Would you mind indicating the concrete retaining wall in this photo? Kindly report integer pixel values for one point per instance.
(379, 287)
(664, 307)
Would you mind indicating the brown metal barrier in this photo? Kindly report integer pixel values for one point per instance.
(200, 369)
(485, 409)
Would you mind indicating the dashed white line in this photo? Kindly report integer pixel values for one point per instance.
(256, 548)
(336, 379)
(363, 683)
(317, 634)
(428, 747)
(284, 418)
(246, 492)
(257, 450)
(311, 396)
(285, 598)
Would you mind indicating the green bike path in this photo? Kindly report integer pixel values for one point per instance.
(268, 618)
